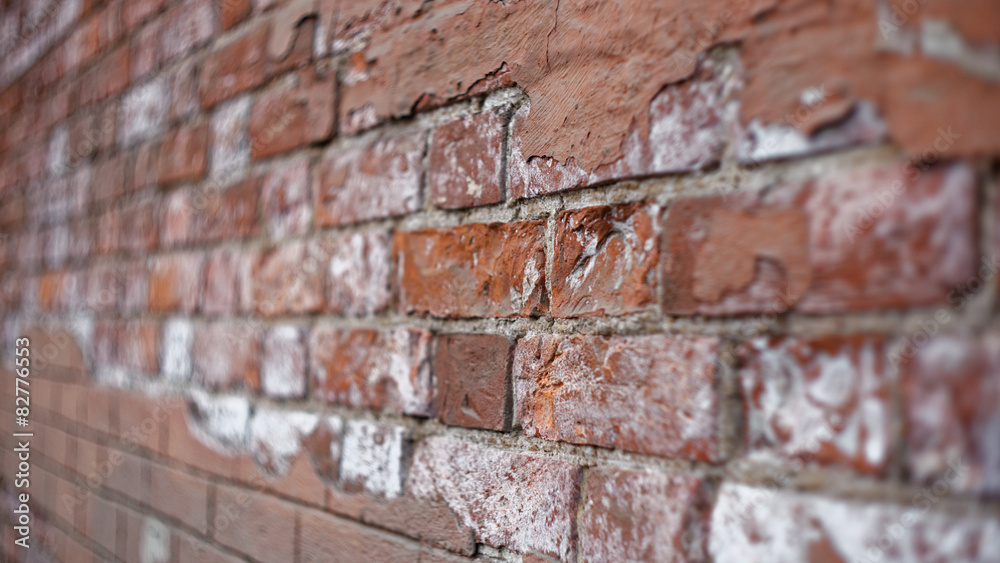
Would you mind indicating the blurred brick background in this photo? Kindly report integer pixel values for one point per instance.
(452, 280)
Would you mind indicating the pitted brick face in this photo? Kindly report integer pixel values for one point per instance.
(604, 260)
(503, 262)
(646, 394)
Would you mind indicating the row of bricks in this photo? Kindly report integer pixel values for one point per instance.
(825, 400)
(845, 242)
(634, 514)
(469, 161)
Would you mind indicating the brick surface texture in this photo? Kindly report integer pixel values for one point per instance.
(500, 282)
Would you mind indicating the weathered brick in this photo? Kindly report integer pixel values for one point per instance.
(647, 394)
(687, 127)
(145, 54)
(187, 26)
(283, 366)
(183, 155)
(380, 178)
(641, 516)
(863, 239)
(135, 12)
(234, 68)
(372, 458)
(230, 146)
(138, 346)
(255, 524)
(289, 278)
(297, 111)
(138, 228)
(143, 112)
(752, 524)
(174, 281)
(513, 500)
(605, 259)
(228, 212)
(232, 12)
(219, 296)
(359, 274)
(951, 386)
(184, 98)
(177, 219)
(821, 399)
(226, 355)
(287, 201)
(490, 270)
(465, 161)
(178, 338)
(365, 368)
(473, 385)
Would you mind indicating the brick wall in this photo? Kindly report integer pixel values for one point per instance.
(336, 280)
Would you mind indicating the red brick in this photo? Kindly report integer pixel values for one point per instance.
(283, 365)
(190, 548)
(174, 281)
(287, 200)
(183, 155)
(688, 123)
(127, 475)
(144, 173)
(764, 524)
(370, 181)
(821, 399)
(815, 248)
(187, 26)
(465, 161)
(254, 524)
(234, 68)
(490, 270)
(605, 260)
(328, 538)
(179, 496)
(138, 229)
(473, 385)
(298, 111)
(109, 179)
(136, 11)
(225, 355)
(102, 522)
(951, 386)
(228, 213)
(184, 98)
(219, 296)
(145, 51)
(92, 37)
(232, 12)
(108, 77)
(138, 347)
(512, 500)
(359, 274)
(365, 368)
(648, 394)
(641, 516)
(289, 278)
